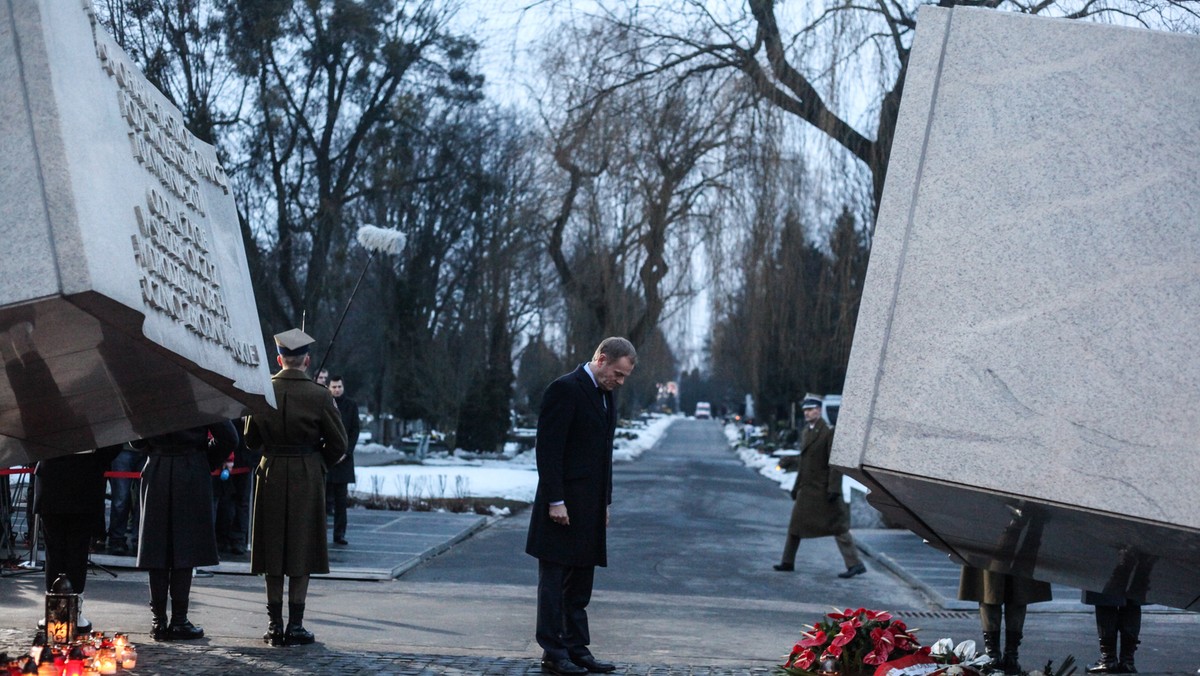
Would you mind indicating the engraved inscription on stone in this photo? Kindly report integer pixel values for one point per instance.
(179, 277)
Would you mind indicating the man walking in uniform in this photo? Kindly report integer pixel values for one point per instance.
(298, 440)
(570, 511)
(818, 509)
(341, 475)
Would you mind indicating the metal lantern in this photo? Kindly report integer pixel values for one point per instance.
(62, 612)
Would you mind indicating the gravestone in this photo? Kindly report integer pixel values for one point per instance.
(126, 307)
(1024, 385)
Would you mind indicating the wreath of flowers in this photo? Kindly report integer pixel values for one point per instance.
(858, 640)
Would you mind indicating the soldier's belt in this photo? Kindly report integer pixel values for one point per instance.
(281, 451)
(176, 450)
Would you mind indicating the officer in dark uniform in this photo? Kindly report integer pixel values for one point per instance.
(298, 440)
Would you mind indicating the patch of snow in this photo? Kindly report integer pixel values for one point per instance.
(462, 475)
(627, 450)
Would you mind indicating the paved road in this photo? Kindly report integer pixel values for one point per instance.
(690, 590)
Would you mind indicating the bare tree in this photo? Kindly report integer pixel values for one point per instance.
(812, 60)
(643, 165)
(326, 75)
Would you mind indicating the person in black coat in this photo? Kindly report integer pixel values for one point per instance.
(571, 508)
(341, 475)
(1119, 611)
(68, 493)
(176, 532)
(231, 498)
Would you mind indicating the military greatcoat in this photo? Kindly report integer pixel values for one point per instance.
(298, 441)
(176, 529)
(985, 586)
(819, 509)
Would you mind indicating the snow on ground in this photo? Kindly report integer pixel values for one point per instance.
(768, 465)
(453, 476)
(626, 450)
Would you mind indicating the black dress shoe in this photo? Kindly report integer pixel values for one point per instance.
(857, 569)
(590, 663)
(340, 541)
(784, 567)
(562, 667)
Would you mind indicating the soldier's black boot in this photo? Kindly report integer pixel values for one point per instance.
(183, 630)
(158, 623)
(296, 634)
(1107, 664)
(1012, 640)
(1130, 624)
(991, 646)
(1129, 644)
(180, 628)
(274, 635)
(1106, 629)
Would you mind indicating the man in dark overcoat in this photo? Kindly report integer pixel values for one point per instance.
(298, 441)
(819, 509)
(341, 475)
(68, 492)
(570, 510)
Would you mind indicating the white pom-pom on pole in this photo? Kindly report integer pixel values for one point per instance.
(376, 240)
(386, 240)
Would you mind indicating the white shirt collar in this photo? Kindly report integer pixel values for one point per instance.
(587, 366)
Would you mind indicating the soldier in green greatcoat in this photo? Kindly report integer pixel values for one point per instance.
(819, 509)
(299, 441)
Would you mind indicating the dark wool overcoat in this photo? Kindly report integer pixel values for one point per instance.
(985, 586)
(818, 509)
(288, 536)
(574, 463)
(176, 529)
(72, 484)
(343, 472)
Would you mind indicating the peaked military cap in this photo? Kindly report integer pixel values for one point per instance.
(811, 401)
(293, 342)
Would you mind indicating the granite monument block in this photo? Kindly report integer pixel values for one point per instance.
(126, 307)
(1024, 384)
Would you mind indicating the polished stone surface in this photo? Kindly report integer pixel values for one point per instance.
(125, 301)
(1028, 328)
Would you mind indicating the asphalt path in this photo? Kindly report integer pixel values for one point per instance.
(693, 535)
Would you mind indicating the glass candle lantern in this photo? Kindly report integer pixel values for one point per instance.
(74, 663)
(105, 661)
(46, 665)
(62, 612)
(129, 659)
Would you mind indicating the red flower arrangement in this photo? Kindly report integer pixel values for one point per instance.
(857, 640)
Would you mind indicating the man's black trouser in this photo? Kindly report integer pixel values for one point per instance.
(563, 596)
(67, 539)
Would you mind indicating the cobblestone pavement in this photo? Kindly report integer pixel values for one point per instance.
(196, 658)
(177, 658)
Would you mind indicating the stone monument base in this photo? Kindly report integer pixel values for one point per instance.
(80, 374)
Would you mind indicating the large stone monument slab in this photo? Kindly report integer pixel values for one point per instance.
(126, 307)
(1024, 385)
